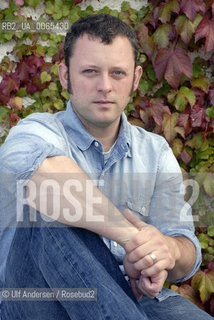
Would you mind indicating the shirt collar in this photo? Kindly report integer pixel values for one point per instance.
(83, 138)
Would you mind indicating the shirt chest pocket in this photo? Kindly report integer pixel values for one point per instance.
(141, 208)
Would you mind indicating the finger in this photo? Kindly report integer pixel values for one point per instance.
(155, 269)
(143, 286)
(150, 288)
(133, 219)
(137, 293)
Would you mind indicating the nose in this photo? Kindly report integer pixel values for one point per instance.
(104, 83)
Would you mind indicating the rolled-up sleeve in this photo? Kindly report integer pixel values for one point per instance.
(169, 211)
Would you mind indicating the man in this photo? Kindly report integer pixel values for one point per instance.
(60, 160)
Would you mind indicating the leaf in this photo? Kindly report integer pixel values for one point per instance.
(167, 9)
(185, 28)
(191, 7)
(58, 104)
(188, 292)
(161, 35)
(197, 116)
(204, 283)
(202, 83)
(196, 142)
(186, 156)
(205, 29)
(158, 109)
(33, 3)
(171, 64)
(183, 121)
(177, 147)
(210, 232)
(53, 86)
(211, 96)
(210, 112)
(45, 77)
(168, 125)
(184, 96)
(209, 184)
(3, 114)
(16, 102)
(204, 241)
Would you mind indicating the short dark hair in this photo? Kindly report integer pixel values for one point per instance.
(103, 26)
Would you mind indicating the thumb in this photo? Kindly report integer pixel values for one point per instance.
(133, 219)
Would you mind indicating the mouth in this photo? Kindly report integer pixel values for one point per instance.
(103, 101)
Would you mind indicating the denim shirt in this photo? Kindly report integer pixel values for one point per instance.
(141, 174)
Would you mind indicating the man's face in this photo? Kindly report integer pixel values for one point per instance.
(102, 77)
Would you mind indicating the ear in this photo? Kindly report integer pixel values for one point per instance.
(63, 75)
(138, 74)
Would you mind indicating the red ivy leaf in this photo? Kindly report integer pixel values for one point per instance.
(185, 156)
(211, 96)
(10, 84)
(197, 115)
(158, 109)
(77, 1)
(191, 7)
(205, 29)
(184, 121)
(172, 64)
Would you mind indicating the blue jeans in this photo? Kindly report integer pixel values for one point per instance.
(43, 256)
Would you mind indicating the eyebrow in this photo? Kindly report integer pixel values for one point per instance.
(89, 66)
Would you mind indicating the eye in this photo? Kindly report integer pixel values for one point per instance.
(89, 71)
(118, 73)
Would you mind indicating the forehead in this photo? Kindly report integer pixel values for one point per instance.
(88, 49)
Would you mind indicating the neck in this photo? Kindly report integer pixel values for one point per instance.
(106, 135)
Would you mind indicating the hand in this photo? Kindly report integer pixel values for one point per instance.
(149, 240)
(151, 286)
(141, 285)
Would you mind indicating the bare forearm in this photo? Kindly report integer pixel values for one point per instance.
(82, 204)
(185, 255)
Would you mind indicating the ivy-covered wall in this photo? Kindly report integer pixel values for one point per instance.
(175, 97)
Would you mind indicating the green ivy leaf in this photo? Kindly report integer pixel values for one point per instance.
(177, 147)
(184, 96)
(210, 112)
(59, 105)
(49, 8)
(202, 83)
(65, 11)
(39, 51)
(210, 231)
(185, 28)
(170, 6)
(52, 51)
(53, 86)
(209, 184)
(204, 283)
(204, 241)
(161, 35)
(125, 6)
(196, 142)
(33, 3)
(3, 112)
(168, 125)
(45, 77)
(58, 15)
(54, 69)
(65, 94)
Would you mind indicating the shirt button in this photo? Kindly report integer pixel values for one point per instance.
(102, 175)
(96, 144)
(115, 244)
(143, 209)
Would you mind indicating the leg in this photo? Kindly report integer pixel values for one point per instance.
(50, 257)
(173, 308)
